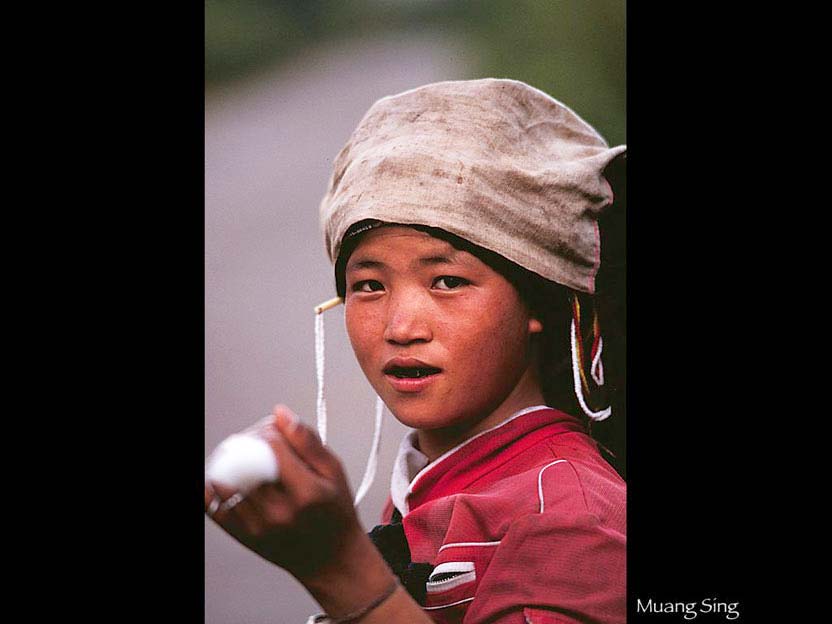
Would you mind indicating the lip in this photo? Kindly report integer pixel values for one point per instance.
(410, 384)
(407, 362)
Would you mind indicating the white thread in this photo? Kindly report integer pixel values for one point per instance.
(450, 604)
(597, 370)
(319, 369)
(540, 481)
(576, 378)
(460, 544)
(372, 460)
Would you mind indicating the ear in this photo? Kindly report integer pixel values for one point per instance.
(535, 326)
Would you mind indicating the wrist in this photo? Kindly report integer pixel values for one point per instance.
(356, 578)
(366, 612)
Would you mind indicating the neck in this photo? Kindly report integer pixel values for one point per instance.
(527, 393)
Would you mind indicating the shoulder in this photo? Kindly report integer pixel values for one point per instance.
(568, 495)
(555, 540)
(545, 528)
(566, 555)
(578, 480)
(566, 476)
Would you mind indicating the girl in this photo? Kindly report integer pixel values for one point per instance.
(462, 222)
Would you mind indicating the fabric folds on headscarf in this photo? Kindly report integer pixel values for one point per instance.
(495, 161)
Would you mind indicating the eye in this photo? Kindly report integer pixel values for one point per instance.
(450, 282)
(367, 286)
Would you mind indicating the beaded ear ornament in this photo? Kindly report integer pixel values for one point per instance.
(597, 366)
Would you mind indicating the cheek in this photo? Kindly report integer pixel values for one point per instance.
(361, 330)
(493, 339)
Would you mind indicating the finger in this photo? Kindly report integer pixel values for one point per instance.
(212, 500)
(232, 501)
(261, 425)
(215, 496)
(249, 517)
(223, 499)
(232, 511)
(240, 511)
(273, 503)
(295, 474)
(232, 524)
(306, 443)
(224, 492)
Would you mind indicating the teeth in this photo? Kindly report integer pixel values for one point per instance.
(411, 373)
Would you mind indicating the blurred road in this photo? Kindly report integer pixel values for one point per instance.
(269, 147)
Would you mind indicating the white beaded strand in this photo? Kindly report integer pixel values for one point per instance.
(597, 369)
(576, 378)
(319, 369)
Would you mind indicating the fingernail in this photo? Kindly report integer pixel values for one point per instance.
(213, 506)
(290, 420)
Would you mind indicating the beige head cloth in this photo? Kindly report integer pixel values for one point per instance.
(494, 161)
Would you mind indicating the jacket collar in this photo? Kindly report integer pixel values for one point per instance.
(416, 481)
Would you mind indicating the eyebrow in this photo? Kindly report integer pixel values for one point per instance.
(370, 263)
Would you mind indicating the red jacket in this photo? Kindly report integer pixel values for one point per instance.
(525, 523)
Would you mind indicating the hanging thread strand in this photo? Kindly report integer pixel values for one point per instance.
(576, 378)
(597, 367)
(597, 370)
(319, 369)
(372, 460)
(579, 348)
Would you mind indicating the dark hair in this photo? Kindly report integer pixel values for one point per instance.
(548, 301)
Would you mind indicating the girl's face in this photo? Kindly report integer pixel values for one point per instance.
(443, 339)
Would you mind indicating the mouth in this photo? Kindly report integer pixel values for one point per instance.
(410, 374)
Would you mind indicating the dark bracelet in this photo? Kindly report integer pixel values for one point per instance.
(352, 617)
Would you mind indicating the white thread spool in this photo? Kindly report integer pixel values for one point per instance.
(242, 462)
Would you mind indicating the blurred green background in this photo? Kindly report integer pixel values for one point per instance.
(574, 47)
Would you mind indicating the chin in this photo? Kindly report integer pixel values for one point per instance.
(425, 415)
(414, 417)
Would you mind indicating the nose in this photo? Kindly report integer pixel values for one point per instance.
(407, 320)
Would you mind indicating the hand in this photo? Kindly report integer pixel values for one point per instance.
(304, 523)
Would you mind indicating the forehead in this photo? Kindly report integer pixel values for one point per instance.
(391, 243)
(388, 233)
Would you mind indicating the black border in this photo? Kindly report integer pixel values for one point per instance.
(137, 240)
(700, 379)
(695, 395)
